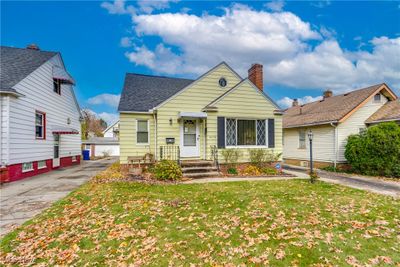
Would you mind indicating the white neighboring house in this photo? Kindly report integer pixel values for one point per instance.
(112, 130)
(332, 120)
(40, 116)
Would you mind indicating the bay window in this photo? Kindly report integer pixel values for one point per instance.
(244, 132)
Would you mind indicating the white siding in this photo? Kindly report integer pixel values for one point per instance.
(4, 129)
(355, 122)
(110, 131)
(39, 95)
(323, 144)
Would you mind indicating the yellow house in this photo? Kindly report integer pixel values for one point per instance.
(181, 119)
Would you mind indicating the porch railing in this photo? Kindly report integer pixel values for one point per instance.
(214, 156)
(170, 152)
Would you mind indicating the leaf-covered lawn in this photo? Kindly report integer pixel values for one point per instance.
(279, 223)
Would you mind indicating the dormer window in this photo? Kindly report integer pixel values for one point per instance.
(57, 86)
(377, 98)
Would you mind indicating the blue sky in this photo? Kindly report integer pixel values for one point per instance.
(305, 47)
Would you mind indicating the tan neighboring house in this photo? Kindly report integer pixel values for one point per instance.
(332, 120)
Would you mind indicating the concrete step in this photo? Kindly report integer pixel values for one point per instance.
(201, 174)
(196, 163)
(199, 169)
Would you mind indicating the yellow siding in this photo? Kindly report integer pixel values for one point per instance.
(323, 144)
(244, 102)
(127, 138)
(193, 99)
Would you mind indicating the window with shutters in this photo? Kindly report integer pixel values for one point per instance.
(142, 132)
(241, 132)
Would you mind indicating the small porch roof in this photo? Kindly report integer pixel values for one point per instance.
(183, 114)
(63, 130)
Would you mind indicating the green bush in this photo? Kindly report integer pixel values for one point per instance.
(232, 171)
(257, 156)
(375, 151)
(231, 156)
(167, 170)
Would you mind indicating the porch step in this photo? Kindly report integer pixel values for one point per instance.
(201, 174)
(196, 163)
(199, 169)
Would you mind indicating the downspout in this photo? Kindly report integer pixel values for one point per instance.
(334, 143)
(155, 135)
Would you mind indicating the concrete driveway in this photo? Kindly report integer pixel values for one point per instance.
(21, 200)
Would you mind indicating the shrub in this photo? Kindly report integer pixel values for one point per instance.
(313, 177)
(167, 170)
(232, 171)
(231, 156)
(269, 171)
(258, 156)
(251, 170)
(375, 151)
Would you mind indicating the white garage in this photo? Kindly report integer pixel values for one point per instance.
(102, 146)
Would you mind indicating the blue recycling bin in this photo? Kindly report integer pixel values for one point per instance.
(86, 154)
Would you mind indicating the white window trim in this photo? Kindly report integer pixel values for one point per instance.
(44, 167)
(29, 170)
(305, 140)
(148, 132)
(40, 125)
(248, 146)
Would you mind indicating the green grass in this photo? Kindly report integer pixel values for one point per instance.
(280, 223)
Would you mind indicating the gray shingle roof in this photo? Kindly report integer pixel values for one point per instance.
(18, 63)
(144, 92)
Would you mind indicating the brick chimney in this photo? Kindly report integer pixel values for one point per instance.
(33, 47)
(256, 75)
(327, 93)
(295, 102)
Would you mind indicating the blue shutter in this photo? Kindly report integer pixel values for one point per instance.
(221, 132)
(271, 133)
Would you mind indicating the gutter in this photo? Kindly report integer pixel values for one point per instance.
(155, 135)
(335, 139)
(311, 124)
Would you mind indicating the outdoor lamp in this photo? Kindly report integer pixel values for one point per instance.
(310, 135)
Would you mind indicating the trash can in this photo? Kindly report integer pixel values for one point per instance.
(86, 154)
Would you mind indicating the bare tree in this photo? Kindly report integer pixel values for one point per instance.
(92, 124)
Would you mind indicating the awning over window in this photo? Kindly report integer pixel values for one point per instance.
(63, 130)
(192, 115)
(60, 74)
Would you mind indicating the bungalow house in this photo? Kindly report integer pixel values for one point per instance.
(192, 119)
(39, 114)
(332, 120)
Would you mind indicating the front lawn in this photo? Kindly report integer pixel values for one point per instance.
(280, 223)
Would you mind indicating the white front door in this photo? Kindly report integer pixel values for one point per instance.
(190, 138)
(56, 156)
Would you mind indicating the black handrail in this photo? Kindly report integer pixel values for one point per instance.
(170, 152)
(214, 156)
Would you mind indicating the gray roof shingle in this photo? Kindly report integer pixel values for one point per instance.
(18, 63)
(144, 92)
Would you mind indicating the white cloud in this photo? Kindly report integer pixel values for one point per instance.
(108, 117)
(118, 7)
(105, 99)
(276, 5)
(149, 6)
(126, 42)
(191, 44)
(286, 102)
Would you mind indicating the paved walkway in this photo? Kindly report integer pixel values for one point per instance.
(375, 185)
(22, 200)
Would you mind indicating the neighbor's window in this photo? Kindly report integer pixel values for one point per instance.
(27, 166)
(361, 130)
(40, 125)
(377, 98)
(142, 132)
(302, 139)
(245, 132)
(41, 164)
(57, 86)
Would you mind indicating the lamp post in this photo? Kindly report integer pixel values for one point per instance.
(310, 137)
